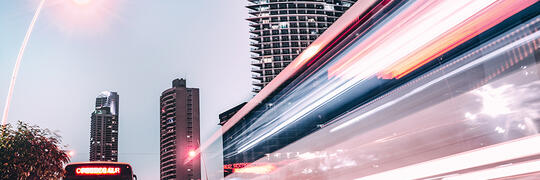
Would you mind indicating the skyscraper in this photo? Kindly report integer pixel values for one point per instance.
(104, 128)
(179, 124)
(281, 29)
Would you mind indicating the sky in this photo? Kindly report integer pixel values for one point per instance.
(134, 47)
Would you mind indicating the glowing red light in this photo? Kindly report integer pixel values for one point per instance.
(97, 171)
(235, 165)
(71, 153)
(192, 153)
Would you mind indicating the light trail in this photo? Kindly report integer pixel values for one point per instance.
(487, 57)
(342, 24)
(440, 20)
(520, 148)
(18, 63)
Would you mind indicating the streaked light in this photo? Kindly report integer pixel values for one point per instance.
(18, 62)
(296, 115)
(505, 171)
(97, 171)
(265, 169)
(422, 32)
(307, 54)
(447, 75)
(520, 148)
(333, 32)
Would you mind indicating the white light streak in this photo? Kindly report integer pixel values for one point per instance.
(18, 63)
(500, 172)
(450, 74)
(492, 154)
(397, 44)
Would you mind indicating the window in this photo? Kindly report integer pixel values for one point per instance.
(267, 59)
(284, 24)
(329, 7)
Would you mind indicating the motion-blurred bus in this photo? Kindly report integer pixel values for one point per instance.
(99, 171)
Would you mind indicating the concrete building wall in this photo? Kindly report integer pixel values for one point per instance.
(180, 129)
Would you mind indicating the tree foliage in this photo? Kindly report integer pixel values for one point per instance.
(29, 152)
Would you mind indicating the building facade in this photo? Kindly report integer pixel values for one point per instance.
(179, 135)
(225, 116)
(104, 128)
(281, 29)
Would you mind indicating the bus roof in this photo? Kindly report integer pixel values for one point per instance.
(99, 162)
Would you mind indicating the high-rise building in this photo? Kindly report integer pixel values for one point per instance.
(281, 29)
(104, 128)
(225, 116)
(179, 124)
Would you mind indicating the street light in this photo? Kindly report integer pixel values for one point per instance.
(192, 153)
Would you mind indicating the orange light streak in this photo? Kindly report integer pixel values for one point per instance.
(376, 38)
(393, 50)
(456, 36)
(255, 169)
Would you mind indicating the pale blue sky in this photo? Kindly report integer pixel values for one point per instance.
(136, 48)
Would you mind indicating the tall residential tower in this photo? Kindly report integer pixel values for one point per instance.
(179, 124)
(104, 128)
(281, 29)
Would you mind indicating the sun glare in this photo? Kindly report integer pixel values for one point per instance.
(84, 17)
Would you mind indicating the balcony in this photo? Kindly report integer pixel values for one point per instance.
(260, 78)
(256, 70)
(257, 84)
(256, 63)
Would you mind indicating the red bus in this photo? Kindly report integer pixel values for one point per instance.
(99, 170)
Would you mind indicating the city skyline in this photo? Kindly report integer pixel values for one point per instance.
(391, 90)
(137, 49)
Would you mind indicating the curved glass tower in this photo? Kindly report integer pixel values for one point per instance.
(104, 128)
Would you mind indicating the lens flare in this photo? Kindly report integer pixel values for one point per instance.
(84, 18)
(192, 154)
